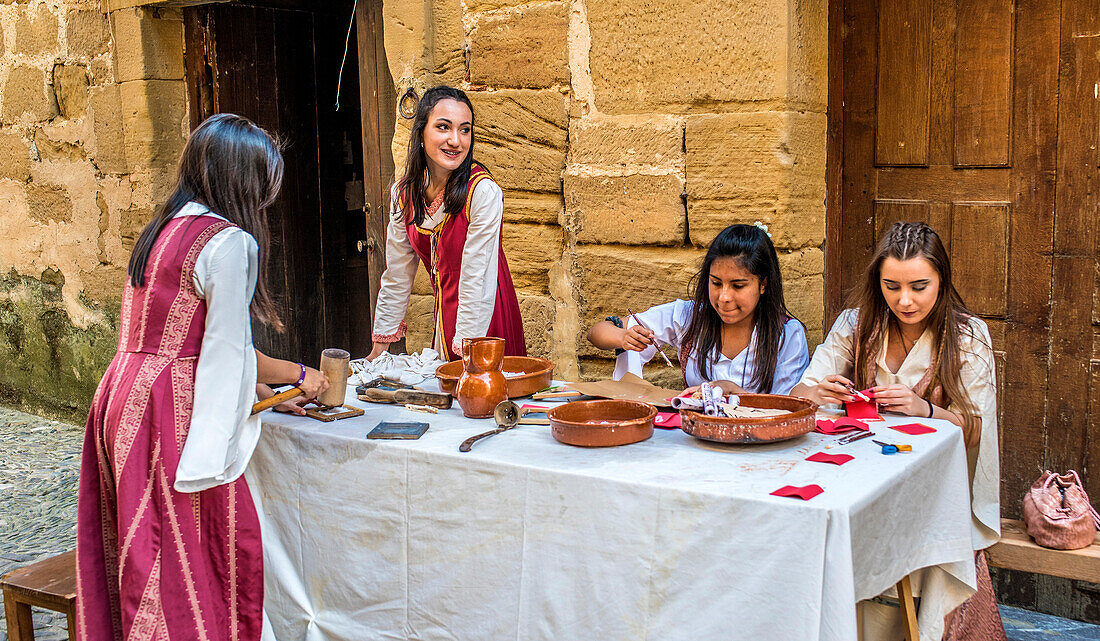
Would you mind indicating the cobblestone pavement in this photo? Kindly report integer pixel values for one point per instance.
(39, 467)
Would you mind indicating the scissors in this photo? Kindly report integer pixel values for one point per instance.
(890, 448)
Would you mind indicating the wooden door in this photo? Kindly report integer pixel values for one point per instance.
(980, 118)
(280, 67)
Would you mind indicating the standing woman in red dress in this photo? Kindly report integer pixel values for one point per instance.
(168, 541)
(446, 211)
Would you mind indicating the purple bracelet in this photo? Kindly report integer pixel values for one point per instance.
(302, 376)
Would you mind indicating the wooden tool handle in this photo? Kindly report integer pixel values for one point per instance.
(275, 400)
(533, 421)
(468, 443)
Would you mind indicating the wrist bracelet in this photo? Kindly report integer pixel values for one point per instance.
(302, 376)
(931, 410)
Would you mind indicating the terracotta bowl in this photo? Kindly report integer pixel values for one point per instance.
(754, 430)
(602, 423)
(537, 374)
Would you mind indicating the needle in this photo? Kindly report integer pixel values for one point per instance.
(652, 340)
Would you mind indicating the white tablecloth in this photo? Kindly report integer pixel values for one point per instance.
(526, 538)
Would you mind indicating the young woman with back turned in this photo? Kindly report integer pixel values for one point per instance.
(447, 212)
(168, 541)
(912, 341)
(736, 330)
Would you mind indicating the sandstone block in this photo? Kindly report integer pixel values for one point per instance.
(682, 55)
(632, 210)
(54, 144)
(153, 114)
(614, 279)
(47, 203)
(26, 94)
(766, 166)
(149, 44)
(538, 324)
(15, 158)
(530, 251)
(803, 288)
(35, 30)
(131, 222)
(627, 141)
(600, 367)
(425, 38)
(528, 207)
(521, 137)
(108, 148)
(70, 83)
(524, 47)
(422, 284)
(102, 70)
(420, 321)
(86, 32)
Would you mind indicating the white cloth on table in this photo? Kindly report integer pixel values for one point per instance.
(409, 369)
(526, 538)
(223, 433)
(478, 279)
(835, 356)
(669, 321)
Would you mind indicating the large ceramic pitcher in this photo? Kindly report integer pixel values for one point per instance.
(481, 385)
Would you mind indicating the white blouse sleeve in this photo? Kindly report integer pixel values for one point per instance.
(793, 358)
(223, 433)
(979, 379)
(397, 280)
(668, 322)
(477, 284)
(835, 355)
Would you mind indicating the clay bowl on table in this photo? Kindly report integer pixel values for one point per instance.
(766, 429)
(602, 423)
(537, 373)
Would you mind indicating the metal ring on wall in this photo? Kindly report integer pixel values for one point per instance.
(403, 105)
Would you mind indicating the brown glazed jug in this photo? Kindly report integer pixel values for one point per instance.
(481, 386)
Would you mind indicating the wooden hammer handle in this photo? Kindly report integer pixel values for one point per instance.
(275, 400)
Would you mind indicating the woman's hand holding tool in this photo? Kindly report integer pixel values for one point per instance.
(640, 336)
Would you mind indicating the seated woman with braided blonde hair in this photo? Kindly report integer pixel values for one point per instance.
(912, 341)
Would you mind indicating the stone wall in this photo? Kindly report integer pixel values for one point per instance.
(626, 134)
(90, 129)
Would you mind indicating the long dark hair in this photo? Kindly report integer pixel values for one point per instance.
(411, 186)
(948, 319)
(754, 251)
(235, 169)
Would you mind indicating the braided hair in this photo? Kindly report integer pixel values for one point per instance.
(949, 317)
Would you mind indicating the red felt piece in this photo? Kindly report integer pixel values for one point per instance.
(862, 410)
(839, 426)
(667, 420)
(805, 493)
(835, 459)
(913, 429)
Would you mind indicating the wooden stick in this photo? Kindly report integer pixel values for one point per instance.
(908, 609)
(652, 340)
(272, 401)
(564, 394)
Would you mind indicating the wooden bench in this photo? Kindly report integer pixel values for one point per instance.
(1016, 551)
(49, 584)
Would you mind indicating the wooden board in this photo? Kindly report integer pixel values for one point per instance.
(1017, 551)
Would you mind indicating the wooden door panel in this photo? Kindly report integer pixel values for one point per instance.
(904, 77)
(983, 82)
(981, 277)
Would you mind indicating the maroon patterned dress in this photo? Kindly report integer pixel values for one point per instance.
(154, 563)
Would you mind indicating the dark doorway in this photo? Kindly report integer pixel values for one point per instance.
(279, 66)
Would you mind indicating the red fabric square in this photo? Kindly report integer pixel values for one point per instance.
(913, 429)
(805, 493)
(667, 420)
(835, 459)
(864, 410)
(839, 426)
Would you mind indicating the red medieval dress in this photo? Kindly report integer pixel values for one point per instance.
(440, 249)
(154, 563)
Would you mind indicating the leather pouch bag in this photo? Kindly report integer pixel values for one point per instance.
(1058, 514)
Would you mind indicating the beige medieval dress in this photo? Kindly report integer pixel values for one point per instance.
(946, 586)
